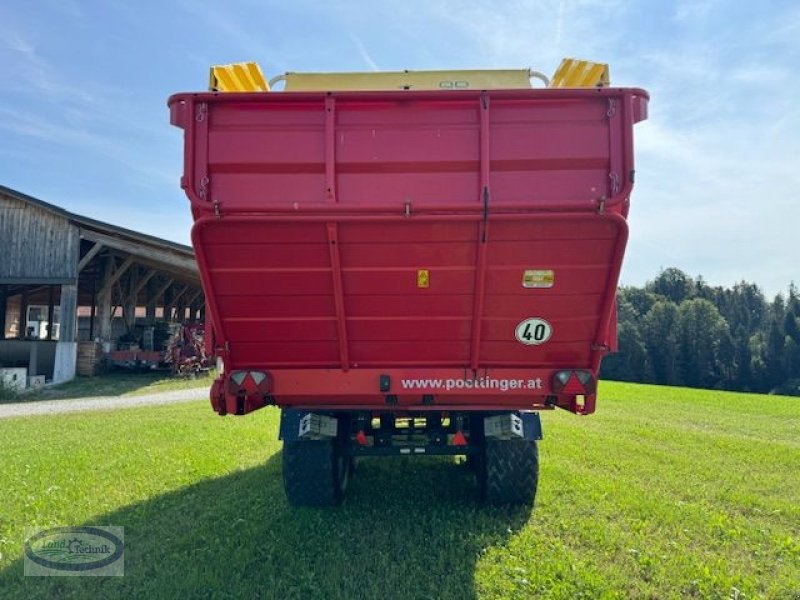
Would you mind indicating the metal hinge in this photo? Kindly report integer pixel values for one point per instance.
(202, 109)
(615, 187)
(217, 208)
(203, 189)
(612, 108)
(601, 205)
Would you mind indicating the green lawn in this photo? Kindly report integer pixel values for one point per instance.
(115, 383)
(664, 493)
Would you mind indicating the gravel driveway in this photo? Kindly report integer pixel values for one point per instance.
(52, 407)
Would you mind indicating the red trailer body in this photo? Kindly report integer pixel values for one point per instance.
(453, 250)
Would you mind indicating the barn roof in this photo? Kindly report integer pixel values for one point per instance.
(88, 222)
(147, 248)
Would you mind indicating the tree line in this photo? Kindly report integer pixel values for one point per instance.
(677, 330)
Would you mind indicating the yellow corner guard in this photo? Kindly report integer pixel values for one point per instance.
(238, 77)
(573, 73)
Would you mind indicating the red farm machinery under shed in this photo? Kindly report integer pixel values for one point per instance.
(410, 263)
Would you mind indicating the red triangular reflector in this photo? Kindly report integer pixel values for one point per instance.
(459, 439)
(248, 384)
(573, 386)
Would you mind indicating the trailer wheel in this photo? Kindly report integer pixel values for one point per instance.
(509, 471)
(315, 473)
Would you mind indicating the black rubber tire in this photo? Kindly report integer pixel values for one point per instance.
(315, 473)
(509, 471)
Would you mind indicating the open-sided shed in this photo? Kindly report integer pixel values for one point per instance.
(66, 278)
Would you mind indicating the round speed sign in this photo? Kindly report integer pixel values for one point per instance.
(533, 331)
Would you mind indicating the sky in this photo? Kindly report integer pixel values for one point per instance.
(84, 123)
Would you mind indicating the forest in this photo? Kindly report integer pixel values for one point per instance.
(678, 330)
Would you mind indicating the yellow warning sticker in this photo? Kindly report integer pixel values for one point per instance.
(540, 278)
(423, 278)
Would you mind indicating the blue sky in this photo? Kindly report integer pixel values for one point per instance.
(84, 124)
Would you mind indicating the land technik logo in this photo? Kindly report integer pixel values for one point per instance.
(75, 551)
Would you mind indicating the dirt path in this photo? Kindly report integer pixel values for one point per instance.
(52, 407)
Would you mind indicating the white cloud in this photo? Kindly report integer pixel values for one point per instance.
(146, 173)
(29, 74)
(34, 125)
(13, 41)
(249, 41)
(364, 54)
(693, 10)
(760, 74)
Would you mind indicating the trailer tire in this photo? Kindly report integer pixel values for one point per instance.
(509, 472)
(315, 473)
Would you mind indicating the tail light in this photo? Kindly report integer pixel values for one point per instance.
(249, 382)
(459, 439)
(574, 383)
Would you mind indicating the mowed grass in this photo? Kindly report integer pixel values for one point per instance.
(115, 384)
(664, 493)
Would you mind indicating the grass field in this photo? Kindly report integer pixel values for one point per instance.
(116, 383)
(664, 493)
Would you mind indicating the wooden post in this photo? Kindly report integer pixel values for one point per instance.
(168, 304)
(67, 347)
(150, 307)
(104, 301)
(68, 331)
(23, 315)
(129, 302)
(179, 305)
(197, 306)
(163, 291)
(50, 312)
(3, 309)
(193, 312)
(94, 309)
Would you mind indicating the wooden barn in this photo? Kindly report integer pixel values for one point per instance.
(72, 286)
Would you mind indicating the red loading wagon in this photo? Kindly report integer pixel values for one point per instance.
(405, 268)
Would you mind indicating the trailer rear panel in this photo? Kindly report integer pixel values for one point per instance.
(417, 249)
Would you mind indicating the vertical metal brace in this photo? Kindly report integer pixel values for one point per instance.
(330, 148)
(480, 267)
(201, 151)
(338, 294)
(333, 230)
(614, 142)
